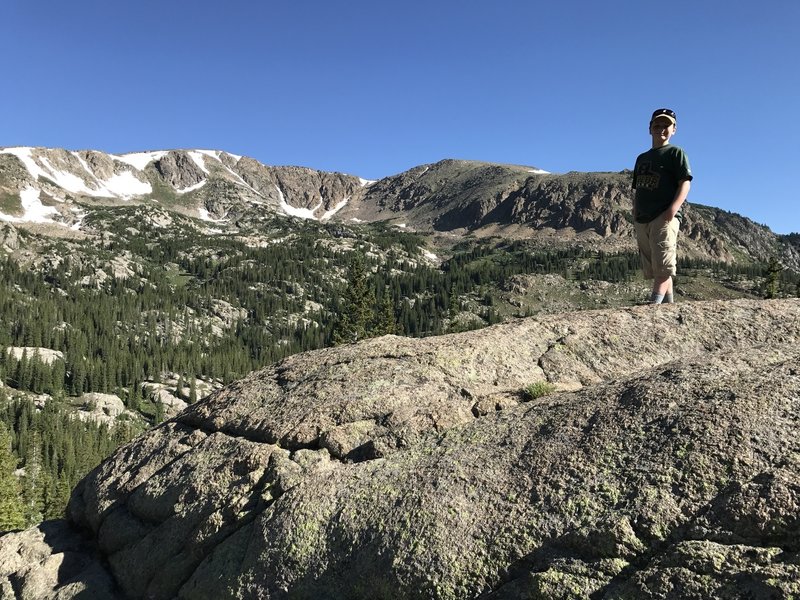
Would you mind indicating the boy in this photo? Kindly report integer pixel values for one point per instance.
(661, 179)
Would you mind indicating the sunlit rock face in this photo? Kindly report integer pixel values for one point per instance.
(661, 462)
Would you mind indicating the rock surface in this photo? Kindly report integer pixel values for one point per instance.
(666, 465)
(45, 355)
(103, 408)
(51, 561)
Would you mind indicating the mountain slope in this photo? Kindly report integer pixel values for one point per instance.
(593, 209)
(450, 196)
(40, 184)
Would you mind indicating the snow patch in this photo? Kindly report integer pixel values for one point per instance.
(210, 153)
(68, 181)
(303, 213)
(539, 171)
(400, 225)
(80, 215)
(191, 188)
(24, 155)
(242, 181)
(122, 184)
(139, 160)
(33, 209)
(197, 157)
(328, 214)
(206, 216)
(125, 185)
(84, 164)
(217, 154)
(366, 182)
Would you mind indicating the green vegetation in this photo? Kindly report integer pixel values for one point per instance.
(538, 389)
(772, 278)
(10, 204)
(54, 451)
(11, 513)
(357, 315)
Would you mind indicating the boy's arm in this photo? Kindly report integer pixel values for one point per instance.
(680, 196)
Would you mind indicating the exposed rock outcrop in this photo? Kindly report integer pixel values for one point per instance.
(9, 237)
(179, 170)
(667, 465)
(51, 561)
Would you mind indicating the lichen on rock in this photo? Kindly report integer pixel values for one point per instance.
(664, 465)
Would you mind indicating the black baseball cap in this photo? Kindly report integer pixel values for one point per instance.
(666, 113)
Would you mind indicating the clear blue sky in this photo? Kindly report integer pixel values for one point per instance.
(374, 88)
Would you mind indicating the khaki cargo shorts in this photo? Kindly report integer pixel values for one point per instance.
(658, 244)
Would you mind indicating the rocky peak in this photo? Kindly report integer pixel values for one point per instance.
(594, 209)
(315, 190)
(179, 170)
(447, 194)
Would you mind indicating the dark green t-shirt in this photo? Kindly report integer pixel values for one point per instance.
(655, 178)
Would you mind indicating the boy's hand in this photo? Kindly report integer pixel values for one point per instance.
(669, 214)
(680, 196)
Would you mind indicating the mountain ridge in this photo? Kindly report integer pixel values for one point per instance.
(452, 197)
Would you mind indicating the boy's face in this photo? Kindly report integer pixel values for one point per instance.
(662, 129)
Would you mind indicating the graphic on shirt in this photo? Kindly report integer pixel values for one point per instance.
(647, 178)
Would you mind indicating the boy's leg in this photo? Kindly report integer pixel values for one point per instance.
(662, 287)
(647, 239)
(669, 297)
(664, 243)
(645, 248)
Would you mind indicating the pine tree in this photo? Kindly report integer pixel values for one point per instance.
(385, 323)
(57, 376)
(454, 306)
(56, 497)
(193, 389)
(158, 417)
(3, 361)
(37, 376)
(12, 515)
(772, 278)
(353, 321)
(179, 388)
(22, 376)
(133, 400)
